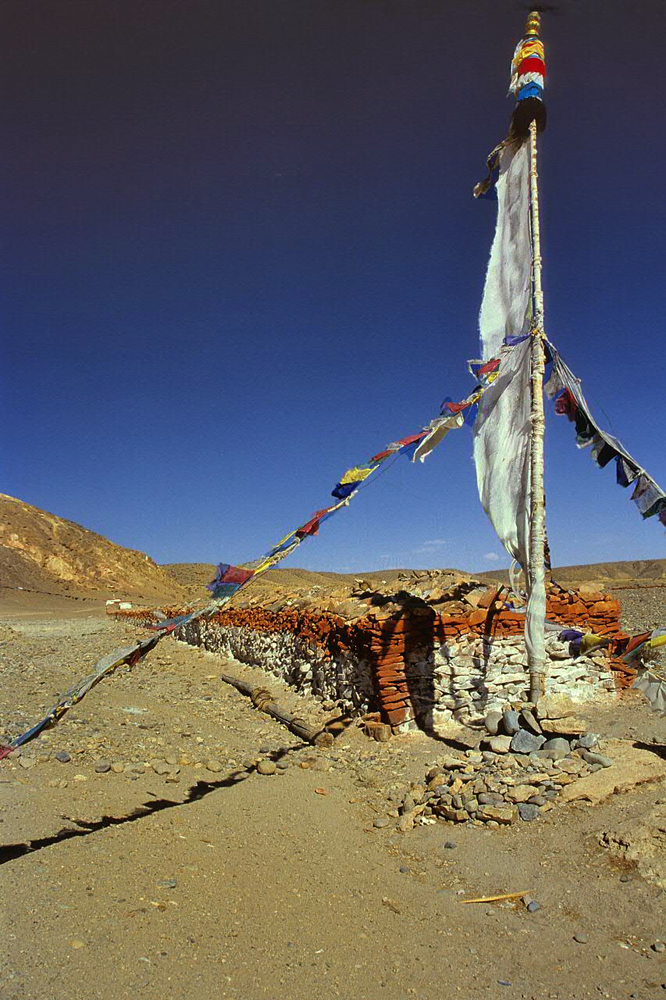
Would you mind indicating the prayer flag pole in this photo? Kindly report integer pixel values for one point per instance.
(537, 576)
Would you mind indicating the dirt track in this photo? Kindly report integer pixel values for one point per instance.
(211, 879)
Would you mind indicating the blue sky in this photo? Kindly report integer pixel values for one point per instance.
(242, 255)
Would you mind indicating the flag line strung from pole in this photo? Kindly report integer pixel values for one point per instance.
(229, 579)
(565, 390)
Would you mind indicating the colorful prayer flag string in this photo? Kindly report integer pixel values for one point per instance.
(565, 390)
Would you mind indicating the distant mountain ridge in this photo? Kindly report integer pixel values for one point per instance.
(43, 552)
(641, 571)
(194, 576)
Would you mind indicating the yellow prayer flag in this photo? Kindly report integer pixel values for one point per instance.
(357, 474)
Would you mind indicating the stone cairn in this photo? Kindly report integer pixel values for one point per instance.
(517, 772)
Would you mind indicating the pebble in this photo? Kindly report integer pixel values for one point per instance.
(27, 761)
(117, 767)
(450, 845)
(625, 878)
(510, 722)
(658, 946)
(529, 720)
(80, 777)
(282, 765)
(524, 742)
(500, 744)
(102, 766)
(380, 822)
(492, 722)
(596, 758)
(404, 869)
(266, 767)
(528, 811)
(167, 883)
(533, 906)
(581, 938)
(62, 756)
(216, 766)
(587, 740)
(556, 748)
(78, 943)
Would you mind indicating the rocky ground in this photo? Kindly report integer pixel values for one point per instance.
(167, 839)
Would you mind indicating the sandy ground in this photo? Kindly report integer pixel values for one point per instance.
(211, 879)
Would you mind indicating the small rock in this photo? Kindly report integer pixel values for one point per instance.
(216, 766)
(167, 883)
(380, 822)
(556, 748)
(567, 726)
(117, 767)
(266, 767)
(102, 766)
(581, 938)
(282, 765)
(80, 777)
(524, 742)
(590, 757)
(533, 906)
(406, 822)
(404, 869)
(529, 721)
(587, 740)
(62, 756)
(408, 803)
(27, 761)
(500, 744)
(504, 815)
(658, 946)
(450, 845)
(492, 722)
(528, 811)
(520, 793)
(625, 878)
(510, 722)
(78, 943)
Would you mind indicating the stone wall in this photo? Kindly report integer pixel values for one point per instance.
(415, 664)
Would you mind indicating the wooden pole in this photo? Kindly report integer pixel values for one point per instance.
(537, 574)
(263, 701)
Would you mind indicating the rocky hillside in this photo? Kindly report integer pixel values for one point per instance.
(39, 551)
(634, 572)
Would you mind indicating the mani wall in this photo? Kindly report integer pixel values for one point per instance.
(421, 660)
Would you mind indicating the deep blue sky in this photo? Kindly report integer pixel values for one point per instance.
(241, 255)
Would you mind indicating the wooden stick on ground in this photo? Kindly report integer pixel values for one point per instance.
(493, 899)
(262, 699)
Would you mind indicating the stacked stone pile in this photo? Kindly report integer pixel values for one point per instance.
(516, 774)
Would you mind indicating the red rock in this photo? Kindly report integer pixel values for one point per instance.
(488, 597)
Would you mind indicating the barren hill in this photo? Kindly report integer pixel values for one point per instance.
(194, 577)
(639, 572)
(39, 551)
